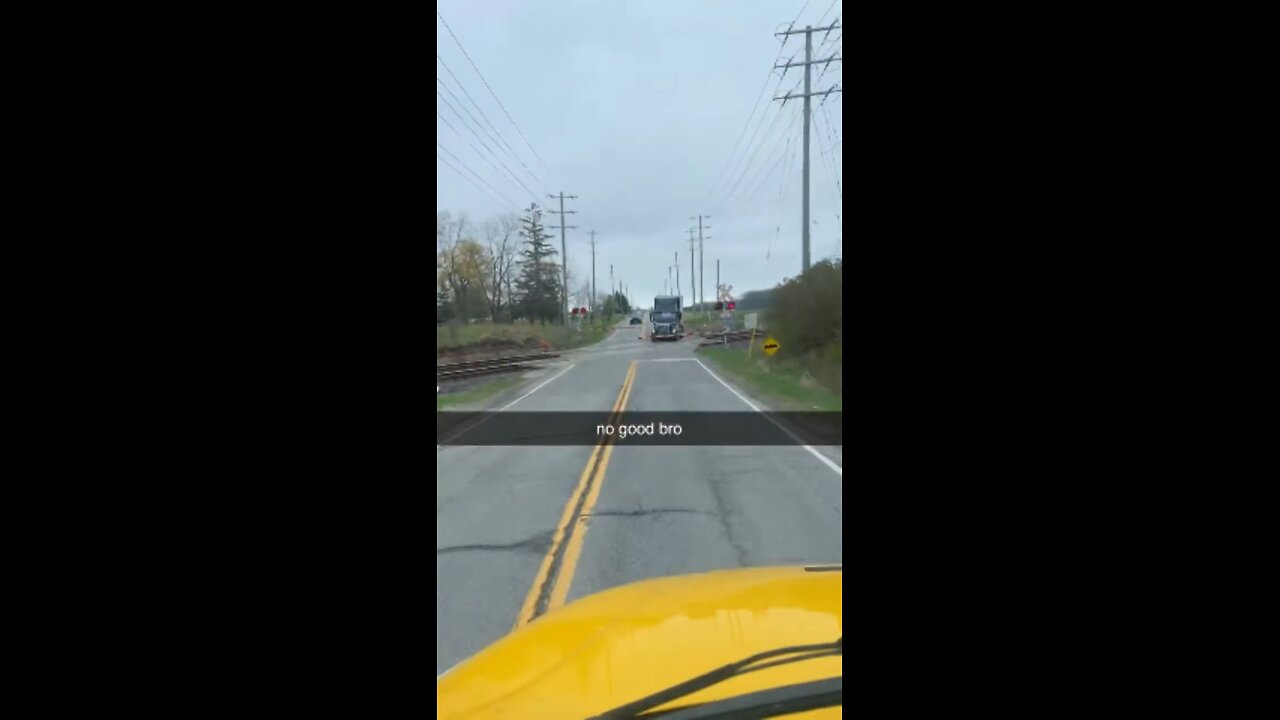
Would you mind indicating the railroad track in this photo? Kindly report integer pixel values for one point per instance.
(489, 366)
(721, 338)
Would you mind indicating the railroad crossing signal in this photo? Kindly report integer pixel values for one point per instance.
(770, 346)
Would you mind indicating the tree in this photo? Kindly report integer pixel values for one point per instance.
(449, 234)
(444, 308)
(464, 264)
(473, 267)
(620, 302)
(807, 310)
(500, 242)
(616, 303)
(538, 287)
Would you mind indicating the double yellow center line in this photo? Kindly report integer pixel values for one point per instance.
(555, 575)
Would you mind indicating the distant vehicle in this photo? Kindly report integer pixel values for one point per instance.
(667, 317)
(635, 320)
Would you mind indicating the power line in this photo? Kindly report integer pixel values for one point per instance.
(824, 133)
(824, 12)
(777, 154)
(733, 153)
(764, 176)
(829, 29)
(729, 200)
(473, 120)
(802, 7)
(491, 92)
(830, 164)
(744, 167)
(833, 135)
(786, 172)
(753, 184)
(747, 166)
(497, 136)
(827, 66)
(761, 177)
(831, 126)
(471, 145)
(462, 120)
(836, 188)
(760, 123)
(477, 187)
(473, 172)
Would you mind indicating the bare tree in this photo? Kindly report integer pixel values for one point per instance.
(511, 261)
(499, 235)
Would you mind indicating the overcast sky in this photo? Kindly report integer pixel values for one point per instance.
(635, 107)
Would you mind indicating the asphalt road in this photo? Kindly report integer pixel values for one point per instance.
(642, 512)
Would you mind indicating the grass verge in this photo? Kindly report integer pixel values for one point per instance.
(477, 393)
(782, 385)
(698, 320)
(559, 337)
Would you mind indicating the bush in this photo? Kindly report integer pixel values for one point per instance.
(807, 312)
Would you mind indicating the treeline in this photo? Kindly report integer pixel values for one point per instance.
(502, 269)
(756, 300)
(615, 304)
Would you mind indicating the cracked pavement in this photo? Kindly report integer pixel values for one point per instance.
(661, 510)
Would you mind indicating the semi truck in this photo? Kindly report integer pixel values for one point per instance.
(666, 318)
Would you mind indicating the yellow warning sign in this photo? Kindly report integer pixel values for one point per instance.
(770, 346)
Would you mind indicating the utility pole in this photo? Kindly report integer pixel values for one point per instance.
(717, 279)
(702, 293)
(564, 255)
(678, 274)
(693, 291)
(592, 304)
(808, 63)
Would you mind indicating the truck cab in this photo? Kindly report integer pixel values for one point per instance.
(666, 318)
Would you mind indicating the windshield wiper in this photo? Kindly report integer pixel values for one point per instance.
(781, 656)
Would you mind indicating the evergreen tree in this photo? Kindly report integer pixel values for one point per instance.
(538, 287)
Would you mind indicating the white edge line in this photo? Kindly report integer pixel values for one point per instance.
(539, 386)
(827, 461)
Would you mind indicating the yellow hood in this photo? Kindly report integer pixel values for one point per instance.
(620, 645)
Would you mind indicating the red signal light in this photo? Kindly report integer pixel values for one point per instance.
(732, 305)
